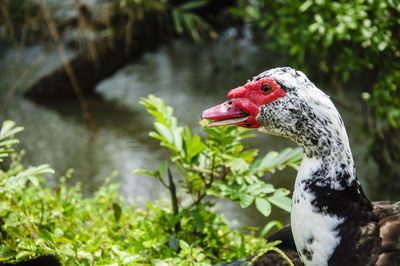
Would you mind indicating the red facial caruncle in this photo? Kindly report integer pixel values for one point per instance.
(244, 104)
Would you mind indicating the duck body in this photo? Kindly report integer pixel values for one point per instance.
(332, 221)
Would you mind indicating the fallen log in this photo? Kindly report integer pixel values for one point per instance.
(148, 32)
(110, 58)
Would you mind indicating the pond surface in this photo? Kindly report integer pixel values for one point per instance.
(190, 77)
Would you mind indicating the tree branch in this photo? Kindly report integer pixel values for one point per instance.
(174, 199)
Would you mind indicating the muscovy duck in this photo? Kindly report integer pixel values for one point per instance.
(332, 221)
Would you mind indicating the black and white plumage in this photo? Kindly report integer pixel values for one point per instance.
(332, 221)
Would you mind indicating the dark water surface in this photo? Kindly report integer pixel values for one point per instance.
(189, 77)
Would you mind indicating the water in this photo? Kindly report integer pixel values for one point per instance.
(189, 77)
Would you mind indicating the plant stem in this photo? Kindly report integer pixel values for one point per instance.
(2, 232)
(174, 199)
(199, 198)
(212, 172)
(205, 171)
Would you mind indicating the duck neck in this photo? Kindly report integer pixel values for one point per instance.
(327, 165)
(330, 170)
(332, 182)
(329, 206)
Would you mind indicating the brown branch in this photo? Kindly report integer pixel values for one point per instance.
(205, 171)
(9, 24)
(67, 66)
(174, 199)
(203, 179)
(199, 198)
(2, 232)
(224, 172)
(159, 178)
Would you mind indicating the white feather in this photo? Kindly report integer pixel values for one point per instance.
(307, 223)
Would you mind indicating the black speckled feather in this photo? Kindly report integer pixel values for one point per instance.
(388, 214)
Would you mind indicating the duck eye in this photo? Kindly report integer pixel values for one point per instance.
(266, 88)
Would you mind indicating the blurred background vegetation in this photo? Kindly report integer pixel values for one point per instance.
(72, 73)
(348, 43)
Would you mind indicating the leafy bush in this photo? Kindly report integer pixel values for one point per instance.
(340, 38)
(185, 18)
(106, 228)
(386, 102)
(220, 166)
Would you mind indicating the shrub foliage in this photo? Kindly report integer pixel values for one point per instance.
(107, 228)
(339, 38)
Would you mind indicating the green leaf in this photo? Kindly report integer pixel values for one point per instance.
(263, 206)
(149, 243)
(58, 232)
(246, 200)
(274, 160)
(45, 234)
(282, 202)
(194, 145)
(238, 164)
(198, 220)
(176, 16)
(163, 168)
(267, 162)
(255, 166)
(260, 188)
(164, 132)
(11, 220)
(281, 192)
(117, 211)
(36, 170)
(173, 243)
(9, 142)
(184, 246)
(269, 226)
(86, 255)
(7, 129)
(5, 253)
(131, 258)
(178, 138)
(248, 155)
(24, 254)
(192, 5)
(197, 184)
(305, 6)
(151, 206)
(141, 171)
